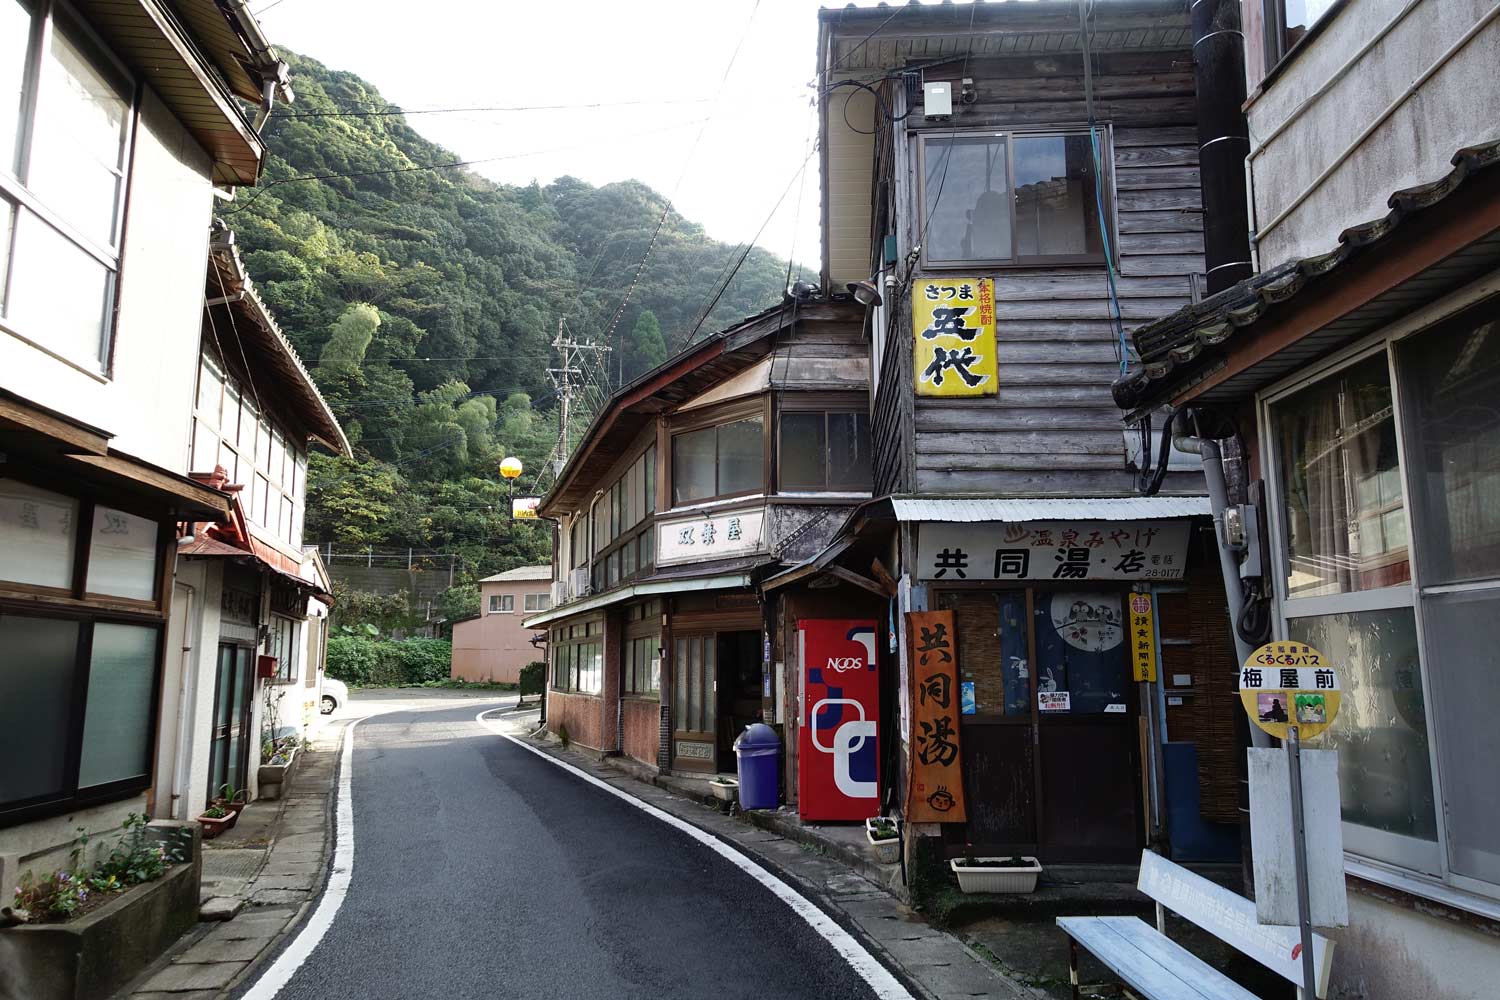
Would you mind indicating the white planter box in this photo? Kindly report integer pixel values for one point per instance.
(725, 791)
(888, 850)
(990, 879)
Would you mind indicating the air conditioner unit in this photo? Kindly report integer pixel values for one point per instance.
(579, 584)
(559, 592)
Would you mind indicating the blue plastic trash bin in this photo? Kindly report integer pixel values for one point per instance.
(758, 750)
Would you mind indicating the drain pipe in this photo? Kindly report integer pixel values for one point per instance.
(1207, 449)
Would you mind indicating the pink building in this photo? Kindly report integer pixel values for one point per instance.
(494, 646)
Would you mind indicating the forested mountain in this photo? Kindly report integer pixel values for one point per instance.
(425, 302)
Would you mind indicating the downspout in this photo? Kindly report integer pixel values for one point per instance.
(187, 688)
(1207, 449)
(275, 75)
(1223, 140)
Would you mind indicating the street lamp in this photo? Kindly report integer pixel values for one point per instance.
(510, 471)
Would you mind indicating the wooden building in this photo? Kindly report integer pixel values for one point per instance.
(1016, 192)
(731, 461)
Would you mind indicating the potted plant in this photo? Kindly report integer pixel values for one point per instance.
(1014, 874)
(231, 798)
(885, 837)
(216, 819)
(725, 789)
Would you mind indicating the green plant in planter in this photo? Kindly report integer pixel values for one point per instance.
(137, 857)
(216, 812)
(232, 795)
(883, 829)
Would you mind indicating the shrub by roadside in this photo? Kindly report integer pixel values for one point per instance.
(364, 661)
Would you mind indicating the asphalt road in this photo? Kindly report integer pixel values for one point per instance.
(483, 871)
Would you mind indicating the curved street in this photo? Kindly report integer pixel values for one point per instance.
(483, 870)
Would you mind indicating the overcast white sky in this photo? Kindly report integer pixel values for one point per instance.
(671, 54)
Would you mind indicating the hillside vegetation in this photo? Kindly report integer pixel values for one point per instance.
(425, 302)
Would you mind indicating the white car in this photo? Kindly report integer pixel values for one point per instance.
(335, 693)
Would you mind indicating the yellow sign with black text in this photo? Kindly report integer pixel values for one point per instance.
(953, 323)
(1142, 637)
(1290, 684)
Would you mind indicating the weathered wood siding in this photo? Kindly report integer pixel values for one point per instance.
(1054, 429)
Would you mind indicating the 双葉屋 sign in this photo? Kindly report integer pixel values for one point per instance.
(1052, 550)
(710, 536)
(953, 323)
(1289, 683)
(935, 791)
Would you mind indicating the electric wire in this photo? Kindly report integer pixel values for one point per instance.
(418, 168)
(1122, 350)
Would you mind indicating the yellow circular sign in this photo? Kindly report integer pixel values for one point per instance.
(1286, 684)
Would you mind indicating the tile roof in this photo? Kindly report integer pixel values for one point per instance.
(1172, 349)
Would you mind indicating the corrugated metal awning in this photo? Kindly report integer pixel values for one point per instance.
(1048, 508)
(728, 581)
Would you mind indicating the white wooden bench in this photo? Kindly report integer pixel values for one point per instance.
(1154, 967)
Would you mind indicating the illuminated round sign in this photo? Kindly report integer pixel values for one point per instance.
(1286, 684)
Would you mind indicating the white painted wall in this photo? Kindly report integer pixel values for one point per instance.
(148, 400)
(1321, 116)
(1393, 951)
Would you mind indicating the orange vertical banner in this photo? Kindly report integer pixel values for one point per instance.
(935, 791)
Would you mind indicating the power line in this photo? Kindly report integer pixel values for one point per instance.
(343, 175)
(393, 111)
(686, 163)
(748, 247)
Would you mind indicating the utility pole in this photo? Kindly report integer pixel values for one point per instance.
(564, 381)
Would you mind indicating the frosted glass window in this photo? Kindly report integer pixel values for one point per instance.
(117, 721)
(15, 38)
(122, 555)
(1463, 632)
(205, 447)
(58, 292)
(7, 222)
(36, 695)
(693, 471)
(1385, 765)
(78, 148)
(741, 457)
(37, 536)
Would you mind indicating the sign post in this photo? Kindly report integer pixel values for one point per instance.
(1290, 690)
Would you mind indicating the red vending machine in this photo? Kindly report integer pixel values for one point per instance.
(838, 761)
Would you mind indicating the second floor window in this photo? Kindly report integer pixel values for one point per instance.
(231, 431)
(503, 604)
(538, 602)
(1289, 21)
(1012, 198)
(824, 451)
(721, 461)
(64, 135)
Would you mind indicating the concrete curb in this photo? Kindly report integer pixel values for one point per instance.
(220, 958)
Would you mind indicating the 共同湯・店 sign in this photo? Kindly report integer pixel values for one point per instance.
(955, 551)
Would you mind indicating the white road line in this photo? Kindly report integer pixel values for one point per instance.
(271, 981)
(879, 978)
(289, 961)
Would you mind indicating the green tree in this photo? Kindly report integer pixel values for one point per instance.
(644, 348)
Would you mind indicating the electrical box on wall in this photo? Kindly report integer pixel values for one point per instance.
(937, 99)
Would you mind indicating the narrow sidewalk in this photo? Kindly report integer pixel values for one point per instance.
(933, 964)
(259, 881)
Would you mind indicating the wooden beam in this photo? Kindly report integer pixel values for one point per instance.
(849, 576)
(22, 416)
(192, 497)
(888, 582)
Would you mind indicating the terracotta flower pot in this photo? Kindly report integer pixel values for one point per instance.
(215, 825)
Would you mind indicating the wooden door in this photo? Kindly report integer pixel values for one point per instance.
(694, 703)
(230, 744)
(1089, 738)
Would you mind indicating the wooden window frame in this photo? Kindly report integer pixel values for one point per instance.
(718, 416)
(1276, 53)
(88, 609)
(627, 536)
(826, 404)
(562, 647)
(1111, 201)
